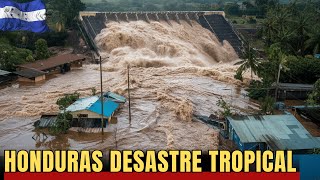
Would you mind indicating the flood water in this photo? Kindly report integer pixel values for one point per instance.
(173, 76)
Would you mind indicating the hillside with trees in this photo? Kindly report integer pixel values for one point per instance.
(22, 47)
(291, 36)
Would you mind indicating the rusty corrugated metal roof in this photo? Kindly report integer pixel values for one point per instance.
(52, 62)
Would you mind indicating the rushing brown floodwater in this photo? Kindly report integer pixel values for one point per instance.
(176, 72)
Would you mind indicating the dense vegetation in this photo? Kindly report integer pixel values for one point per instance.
(292, 38)
(64, 118)
(21, 47)
(314, 97)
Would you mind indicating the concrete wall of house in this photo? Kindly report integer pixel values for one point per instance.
(91, 115)
(40, 78)
(55, 70)
(76, 64)
(32, 80)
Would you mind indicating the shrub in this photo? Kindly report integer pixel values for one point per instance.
(258, 90)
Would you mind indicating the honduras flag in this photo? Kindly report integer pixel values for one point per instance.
(29, 16)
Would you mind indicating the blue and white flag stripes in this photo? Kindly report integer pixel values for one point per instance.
(29, 16)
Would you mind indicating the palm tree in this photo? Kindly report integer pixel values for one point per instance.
(249, 61)
(301, 24)
(282, 17)
(314, 41)
(268, 27)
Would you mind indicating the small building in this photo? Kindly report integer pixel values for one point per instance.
(53, 65)
(272, 132)
(290, 91)
(86, 112)
(31, 75)
(46, 121)
(6, 77)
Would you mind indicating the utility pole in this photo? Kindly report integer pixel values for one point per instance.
(129, 94)
(277, 84)
(102, 116)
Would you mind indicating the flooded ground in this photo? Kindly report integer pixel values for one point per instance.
(173, 76)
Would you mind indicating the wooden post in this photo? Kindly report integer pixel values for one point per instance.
(129, 94)
(102, 116)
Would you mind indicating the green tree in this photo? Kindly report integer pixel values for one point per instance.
(314, 97)
(68, 10)
(301, 23)
(62, 124)
(67, 100)
(64, 118)
(249, 61)
(269, 69)
(314, 41)
(301, 70)
(268, 28)
(42, 51)
(239, 75)
(93, 91)
(258, 89)
(225, 106)
(11, 56)
(232, 9)
(267, 105)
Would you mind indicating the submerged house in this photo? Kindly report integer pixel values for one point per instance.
(6, 77)
(87, 112)
(38, 70)
(273, 132)
(31, 75)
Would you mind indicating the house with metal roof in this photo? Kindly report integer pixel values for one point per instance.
(291, 91)
(30, 75)
(38, 70)
(6, 76)
(272, 132)
(86, 112)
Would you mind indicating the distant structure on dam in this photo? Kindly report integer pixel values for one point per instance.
(93, 22)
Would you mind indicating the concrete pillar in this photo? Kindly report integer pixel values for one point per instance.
(157, 17)
(117, 19)
(188, 19)
(177, 18)
(197, 17)
(168, 20)
(105, 15)
(127, 18)
(147, 18)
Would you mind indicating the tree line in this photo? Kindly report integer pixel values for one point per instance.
(22, 47)
(292, 38)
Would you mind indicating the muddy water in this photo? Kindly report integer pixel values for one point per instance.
(175, 72)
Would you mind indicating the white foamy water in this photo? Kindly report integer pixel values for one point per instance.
(177, 71)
